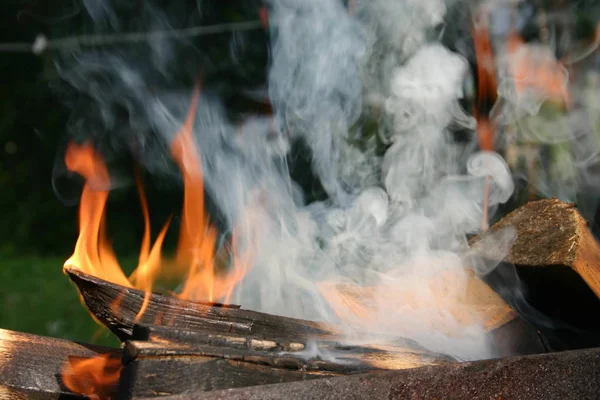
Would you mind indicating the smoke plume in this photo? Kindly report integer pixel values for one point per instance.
(393, 219)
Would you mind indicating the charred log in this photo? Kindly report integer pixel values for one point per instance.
(556, 376)
(194, 360)
(116, 307)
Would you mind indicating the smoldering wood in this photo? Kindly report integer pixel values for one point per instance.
(197, 360)
(31, 365)
(555, 376)
(290, 342)
(343, 356)
(116, 307)
(158, 377)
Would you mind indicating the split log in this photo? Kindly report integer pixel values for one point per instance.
(551, 273)
(344, 356)
(31, 365)
(555, 376)
(196, 360)
(548, 233)
(117, 306)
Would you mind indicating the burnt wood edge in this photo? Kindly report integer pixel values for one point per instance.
(556, 376)
(116, 307)
(31, 365)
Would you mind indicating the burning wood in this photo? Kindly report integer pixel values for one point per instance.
(507, 331)
(117, 307)
(31, 366)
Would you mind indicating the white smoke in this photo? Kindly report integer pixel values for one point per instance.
(392, 222)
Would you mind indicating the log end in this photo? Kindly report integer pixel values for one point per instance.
(548, 232)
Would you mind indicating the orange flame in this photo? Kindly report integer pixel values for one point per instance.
(486, 97)
(195, 257)
(197, 238)
(93, 253)
(94, 377)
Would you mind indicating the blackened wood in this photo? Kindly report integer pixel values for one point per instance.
(317, 356)
(572, 375)
(117, 307)
(31, 365)
(189, 360)
(291, 342)
(517, 337)
(155, 377)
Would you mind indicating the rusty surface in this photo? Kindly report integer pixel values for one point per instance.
(556, 376)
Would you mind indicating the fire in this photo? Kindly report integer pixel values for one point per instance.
(93, 377)
(195, 256)
(93, 253)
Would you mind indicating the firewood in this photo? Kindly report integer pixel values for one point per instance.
(31, 365)
(158, 377)
(458, 292)
(555, 376)
(193, 360)
(550, 273)
(345, 355)
(116, 307)
(548, 233)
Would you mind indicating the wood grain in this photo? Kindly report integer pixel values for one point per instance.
(31, 365)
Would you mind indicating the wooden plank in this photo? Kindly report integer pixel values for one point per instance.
(31, 365)
(569, 375)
